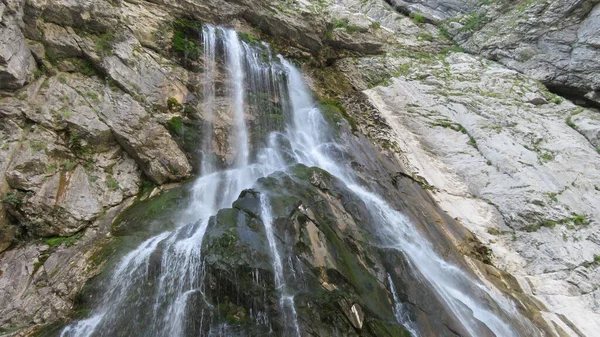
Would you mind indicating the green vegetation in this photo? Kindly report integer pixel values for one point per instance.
(173, 105)
(93, 96)
(574, 113)
(13, 199)
(104, 43)
(546, 157)
(475, 21)
(112, 183)
(445, 33)
(346, 25)
(84, 66)
(66, 113)
(459, 128)
(333, 112)
(425, 36)
(68, 165)
(375, 25)
(247, 37)
(452, 49)
(175, 125)
(417, 18)
(577, 220)
(186, 41)
(37, 145)
(67, 241)
(593, 263)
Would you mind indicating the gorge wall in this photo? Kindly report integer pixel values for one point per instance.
(101, 119)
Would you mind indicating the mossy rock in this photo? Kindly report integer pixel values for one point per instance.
(153, 215)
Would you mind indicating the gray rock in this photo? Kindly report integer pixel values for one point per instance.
(146, 141)
(435, 10)
(554, 41)
(496, 161)
(16, 62)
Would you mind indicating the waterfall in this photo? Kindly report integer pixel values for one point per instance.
(286, 300)
(395, 230)
(290, 130)
(400, 312)
(235, 58)
(209, 40)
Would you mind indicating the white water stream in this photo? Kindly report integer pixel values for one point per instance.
(308, 135)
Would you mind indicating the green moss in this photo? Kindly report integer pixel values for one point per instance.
(333, 112)
(49, 330)
(175, 125)
(247, 37)
(186, 41)
(425, 36)
(384, 329)
(104, 42)
(112, 183)
(152, 215)
(85, 67)
(173, 105)
(60, 240)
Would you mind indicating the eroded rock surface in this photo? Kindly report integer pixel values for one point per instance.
(113, 103)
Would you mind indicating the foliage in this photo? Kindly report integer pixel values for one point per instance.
(425, 36)
(186, 42)
(417, 18)
(375, 25)
(247, 37)
(346, 25)
(333, 112)
(104, 43)
(13, 199)
(67, 241)
(112, 183)
(174, 105)
(475, 21)
(175, 125)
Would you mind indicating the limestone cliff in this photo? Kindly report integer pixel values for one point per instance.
(101, 113)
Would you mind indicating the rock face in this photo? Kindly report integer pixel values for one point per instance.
(435, 10)
(555, 42)
(16, 62)
(100, 101)
(504, 166)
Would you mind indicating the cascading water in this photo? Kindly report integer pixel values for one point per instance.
(399, 311)
(157, 300)
(286, 301)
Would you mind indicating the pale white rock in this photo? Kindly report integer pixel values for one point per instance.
(496, 161)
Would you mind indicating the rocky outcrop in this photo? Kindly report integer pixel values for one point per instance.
(555, 42)
(436, 10)
(114, 101)
(16, 62)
